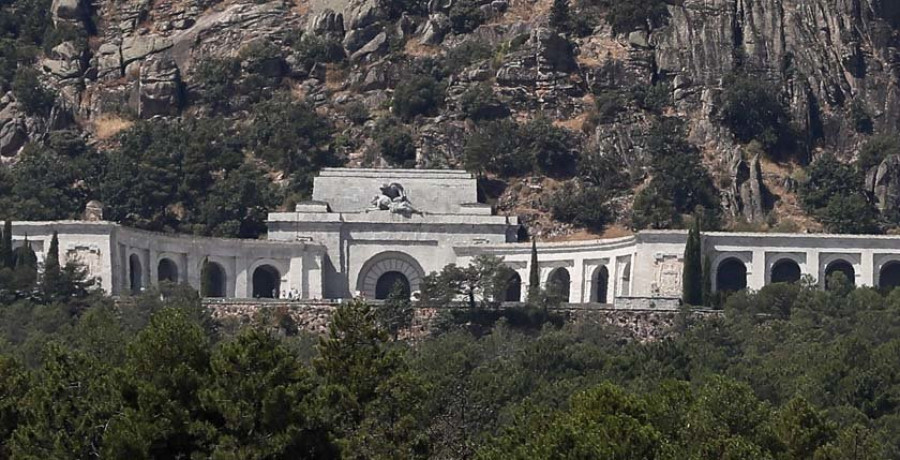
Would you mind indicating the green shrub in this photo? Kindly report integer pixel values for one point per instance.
(827, 177)
(560, 18)
(653, 98)
(652, 209)
(508, 149)
(31, 94)
(466, 53)
(311, 49)
(752, 110)
(417, 95)
(583, 206)
(479, 103)
(493, 147)
(356, 112)
(627, 15)
(465, 16)
(396, 143)
(218, 81)
(603, 171)
(851, 213)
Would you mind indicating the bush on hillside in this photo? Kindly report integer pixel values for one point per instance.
(752, 109)
(395, 142)
(583, 206)
(875, 150)
(417, 95)
(31, 94)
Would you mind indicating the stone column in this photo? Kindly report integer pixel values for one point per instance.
(193, 268)
(756, 273)
(576, 288)
(812, 264)
(867, 268)
(242, 283)
(151, 263)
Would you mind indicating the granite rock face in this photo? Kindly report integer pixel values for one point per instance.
(826, 56)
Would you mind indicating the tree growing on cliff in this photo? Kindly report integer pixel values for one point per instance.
(692, 274)
(560, 19)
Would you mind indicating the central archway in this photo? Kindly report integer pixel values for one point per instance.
(266, 282)
(786, 271)
(389, 281)
(136, 274)
(558, 284)
(731, 276)
(370, 276)
(214, 281)
(167, 271)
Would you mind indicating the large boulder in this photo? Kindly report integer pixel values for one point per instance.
(435, 28)
(884, 183)
(65, 61)
(160, 88)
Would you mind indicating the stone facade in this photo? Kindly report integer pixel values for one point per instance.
(367, 227)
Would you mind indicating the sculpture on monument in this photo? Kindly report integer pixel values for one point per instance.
(393, 198)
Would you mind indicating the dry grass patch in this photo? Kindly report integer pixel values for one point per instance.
(108, 126)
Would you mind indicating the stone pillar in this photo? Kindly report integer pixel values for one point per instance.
(812, 264)
(146, 282)
(576, 288)
(296, 275)
(867, 268)
(193, 268)
(151, 262)
(613, 291)
(242, 283)
(756, 272)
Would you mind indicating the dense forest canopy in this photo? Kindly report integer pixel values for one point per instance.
(789, 372)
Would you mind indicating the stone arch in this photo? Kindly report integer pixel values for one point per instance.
(559, 283)
(786, 270)
(731, 275)
(513, 288)
(135, 274)
(167, 270)
(889, 275)
(388, 281)
(266, 282)
(218, 280)
(391, 261)
(843, 266)
(601, 285)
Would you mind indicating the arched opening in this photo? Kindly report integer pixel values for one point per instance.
(136, 274)
(889, 278)
(558, 284)
(167, 271)
(389, 281)
(215, 280)
(380, 265)
(841, 266)
(731, 276)
(266, 282)
(785, 271)
(514, 288)
(601, 284)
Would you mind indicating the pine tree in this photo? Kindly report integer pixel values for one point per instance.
(560, 19)
(25, 272)
(534, 276)
(692, 275)
(7, 258)
(52, 281)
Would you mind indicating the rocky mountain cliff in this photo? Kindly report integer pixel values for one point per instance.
(834, 64)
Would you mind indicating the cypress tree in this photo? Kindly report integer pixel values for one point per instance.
(6, 252)
(692, 275)
(534, 274)
(52, 280)
(25, 273)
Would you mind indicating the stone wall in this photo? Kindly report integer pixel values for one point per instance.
(314, 317)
